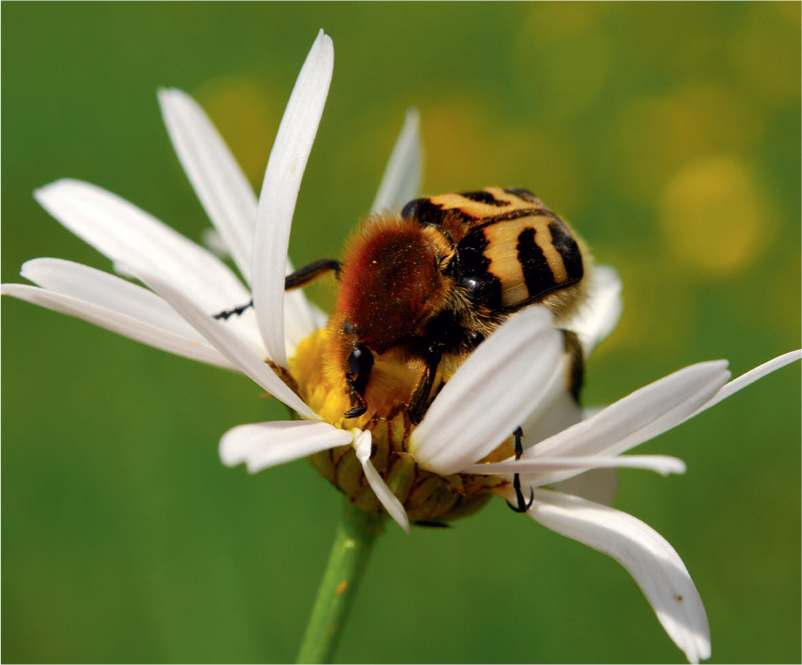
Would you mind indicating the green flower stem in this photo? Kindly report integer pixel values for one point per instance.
(347, 562)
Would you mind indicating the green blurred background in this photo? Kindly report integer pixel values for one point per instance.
(669, 134)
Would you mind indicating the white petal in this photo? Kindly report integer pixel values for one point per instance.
(227, 197)
(402, 177)
(646, 555)
(490, 394)
(231, 346)
(282, 181)
(107, 291)
(597, 485)
(362, 445)
(216, 177)
(750, 377)
(195, 348)
(556, 411)
(636, 418)
(118, 295)
(261, 445)
(123, 270)
(662, 464)
(135, 239)
(214, 242)
(598, 316)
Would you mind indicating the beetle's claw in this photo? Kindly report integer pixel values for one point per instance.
(523, 504)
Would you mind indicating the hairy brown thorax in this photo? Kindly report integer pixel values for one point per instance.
(391, 282)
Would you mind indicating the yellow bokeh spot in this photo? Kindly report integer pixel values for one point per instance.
(655, 136)
(712, 216)
(243, 114)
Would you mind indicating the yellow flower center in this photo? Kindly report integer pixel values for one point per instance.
(426, 496)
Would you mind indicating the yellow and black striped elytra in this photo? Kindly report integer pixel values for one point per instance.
(510, 251)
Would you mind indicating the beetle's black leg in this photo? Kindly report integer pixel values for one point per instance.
(360, 364)
(295, 280)
(523, 505)
(519, 449)
(356, 399)
(310, 273)
(573, 381)
(420, 398)
(231, 312)
(576, 364)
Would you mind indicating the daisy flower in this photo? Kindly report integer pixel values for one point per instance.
(460, 454)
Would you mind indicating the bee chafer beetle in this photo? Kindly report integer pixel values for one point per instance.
(418, 292)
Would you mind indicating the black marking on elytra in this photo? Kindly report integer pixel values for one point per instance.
(424, 211)
(538, 276)
(521, 193)
(471, 253)
(516, 213)
(484, 197)
(473, 266)
(566, 245)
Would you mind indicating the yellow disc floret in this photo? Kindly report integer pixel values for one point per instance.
(426, 496)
